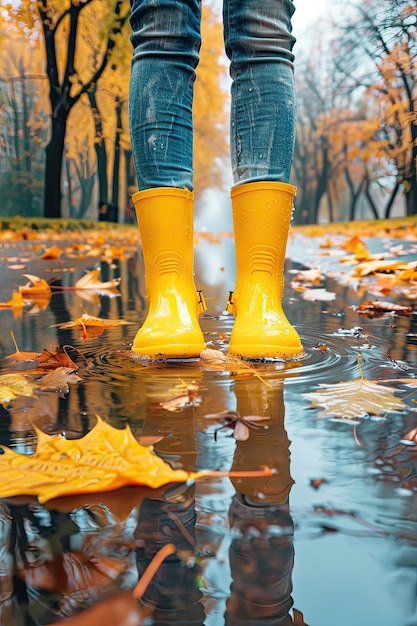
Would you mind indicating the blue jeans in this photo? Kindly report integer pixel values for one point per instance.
(166, 40)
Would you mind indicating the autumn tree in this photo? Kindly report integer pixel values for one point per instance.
(378, 50)
(22, 125)
(67, 69)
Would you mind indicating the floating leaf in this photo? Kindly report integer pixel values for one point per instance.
(19, 355)
(218, 360)
(86, 322)
(354, 399)
(316, 295)
(239, 425)
(91, 281)
(385, 307)
(187, 397)
(59, 379)
(13, 385)
(374, 267)
(103, 460)
(60, 358)
(51, 253)
(35, 288)
(15, 302)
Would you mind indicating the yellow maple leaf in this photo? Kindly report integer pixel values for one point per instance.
(105, 459)
(354, 399)
(13, 385)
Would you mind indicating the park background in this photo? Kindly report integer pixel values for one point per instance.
(64, 137)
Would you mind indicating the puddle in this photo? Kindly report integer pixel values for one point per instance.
(329, 537)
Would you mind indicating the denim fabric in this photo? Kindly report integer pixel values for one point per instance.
(166, 41)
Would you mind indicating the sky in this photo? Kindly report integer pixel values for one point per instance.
(307, 12)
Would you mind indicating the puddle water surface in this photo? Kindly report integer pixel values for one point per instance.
(329, 537)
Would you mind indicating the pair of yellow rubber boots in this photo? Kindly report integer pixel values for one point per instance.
(262, 214)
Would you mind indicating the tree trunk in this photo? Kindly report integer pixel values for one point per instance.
(116, 163)
(53, 166)
(100, 148)
(391, 200)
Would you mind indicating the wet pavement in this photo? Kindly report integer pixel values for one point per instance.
(329, 538)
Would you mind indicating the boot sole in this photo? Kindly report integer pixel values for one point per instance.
(170, 352)
(266, 352)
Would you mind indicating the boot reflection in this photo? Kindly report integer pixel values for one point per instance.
(261, 551)
(168, 414)
(173, 591)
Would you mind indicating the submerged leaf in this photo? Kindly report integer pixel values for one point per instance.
(354, 399)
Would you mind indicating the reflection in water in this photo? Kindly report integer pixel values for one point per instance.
(77, 552)
(261, 551)
(234, 560)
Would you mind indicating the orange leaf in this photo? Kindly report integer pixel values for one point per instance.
(21, 356)
(87, 321)
(51, 253)
(59, 358)
(91, 281)
(15, 302)
(35, 288)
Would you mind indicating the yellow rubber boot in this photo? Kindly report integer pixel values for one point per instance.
(171, 329)
(262, 213)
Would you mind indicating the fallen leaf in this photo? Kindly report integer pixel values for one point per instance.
(239, 425)
(15, 302)
(316, 483)
(312, 276)
(104, 459)
(188, 397)
(318, 295)
(91, 281)
(35, 288)
(13, 385)
(58, 380)
(60, 358)
(51, 253)
(19, 355)
(218, 360)
(88, 322)
(354, 399)
(385, 307)
(373, 267)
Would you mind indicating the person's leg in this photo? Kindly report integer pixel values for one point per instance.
(166, 41)
(259, 43)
